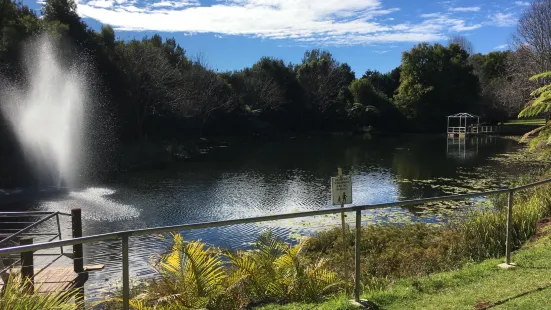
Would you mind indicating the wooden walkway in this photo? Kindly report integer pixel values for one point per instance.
(54, 272)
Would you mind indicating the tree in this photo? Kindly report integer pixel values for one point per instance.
(152, 79)
(435, 81)
(465, 44)
(386, 83)
(325, 82)
(513, 89)
(370, 107)
(491, 70)
(65, 12)
(107, 35)
(203, 93)
(533, 32)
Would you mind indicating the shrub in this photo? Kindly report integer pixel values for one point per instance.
(396, 251)
(193, 276)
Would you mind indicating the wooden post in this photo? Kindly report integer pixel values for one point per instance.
(78, 254)
(78, 257)
(27, 267)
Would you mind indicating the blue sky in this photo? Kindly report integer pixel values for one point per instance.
(367, 34)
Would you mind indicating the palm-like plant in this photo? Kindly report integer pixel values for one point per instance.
(253, 271)
(542, 97)
(302, 281)
(15, 297)
(196, 277)
(540, 104)
(276, 271)
(192, 273)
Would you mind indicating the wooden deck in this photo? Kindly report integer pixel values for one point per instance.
(54, 272)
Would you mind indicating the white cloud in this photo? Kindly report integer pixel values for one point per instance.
(381, 52)
(503, 19)
(465, 9)
(522, 3)
(173, 4)
(501, 47)
(336, 22)
(436, 22)
(431, 15)
(102, 3)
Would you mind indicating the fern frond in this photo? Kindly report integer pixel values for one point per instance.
(194, 272)
(541, 90)
(535, 109)
(542, 75)
(530, 133)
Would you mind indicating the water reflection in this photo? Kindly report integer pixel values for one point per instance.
(466, 147)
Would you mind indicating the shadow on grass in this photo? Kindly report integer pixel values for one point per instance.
(487, 305)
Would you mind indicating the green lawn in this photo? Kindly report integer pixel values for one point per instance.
(526, 121)
(527, 286)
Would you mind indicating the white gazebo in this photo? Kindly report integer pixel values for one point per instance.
(464, 124)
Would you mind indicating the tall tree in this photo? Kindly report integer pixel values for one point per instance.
(462, 41)
(386, 83)
(533, 31)
(325, 82)
(435, 81)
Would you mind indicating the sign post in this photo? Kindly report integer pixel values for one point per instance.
(341, 193)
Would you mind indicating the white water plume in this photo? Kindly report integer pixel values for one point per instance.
(95, 204)
(47, 114)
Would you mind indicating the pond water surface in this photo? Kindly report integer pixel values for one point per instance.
(275, 178)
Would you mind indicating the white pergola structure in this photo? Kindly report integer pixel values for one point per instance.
(463, 123)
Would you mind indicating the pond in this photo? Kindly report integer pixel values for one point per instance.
(274, 178)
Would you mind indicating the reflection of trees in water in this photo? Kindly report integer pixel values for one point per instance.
(467, 148)
(281, 175)
(427, 159)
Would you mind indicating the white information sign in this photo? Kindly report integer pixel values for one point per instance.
(341, 190)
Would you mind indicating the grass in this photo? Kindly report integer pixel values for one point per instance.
(527, 286)
(526, 121)
(339, 303)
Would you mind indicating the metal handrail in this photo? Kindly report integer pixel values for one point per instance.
(124, 235)
(32, 213)
(24, 230)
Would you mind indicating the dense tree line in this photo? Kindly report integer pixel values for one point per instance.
(154, 91)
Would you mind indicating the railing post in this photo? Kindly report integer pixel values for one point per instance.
(78, 254)
(357, 256)
(509, 228)
(27, 267)
(344, 250)
(59, 231)
(125, 274)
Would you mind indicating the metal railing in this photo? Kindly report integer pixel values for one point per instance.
(124, 235)
(457, 129)
(474, 129)
(10, 219)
